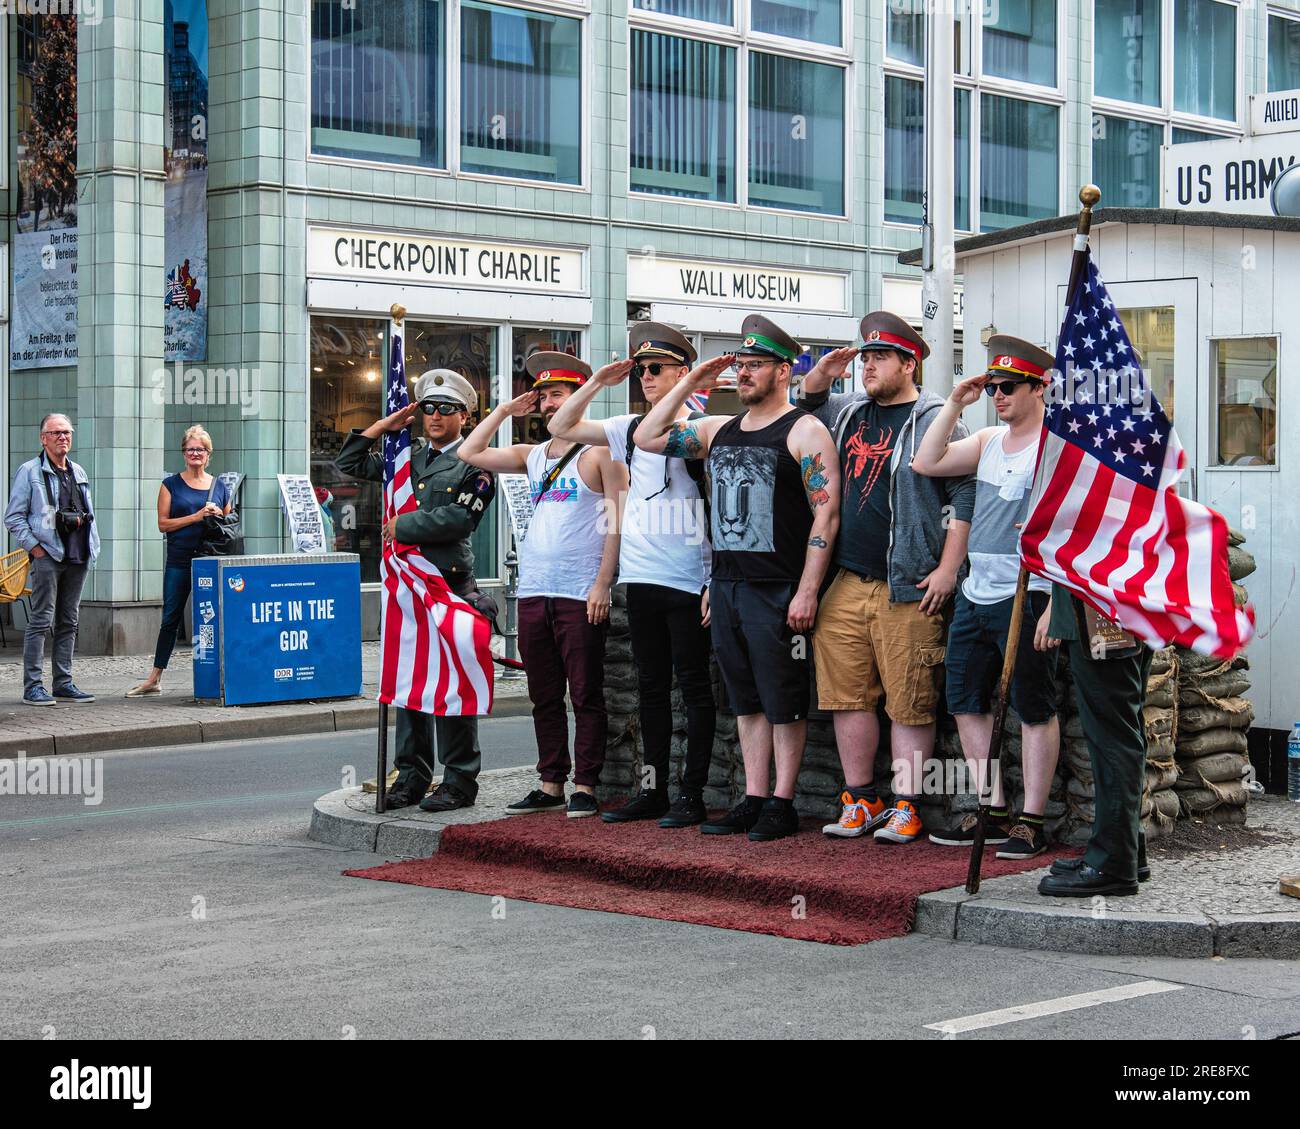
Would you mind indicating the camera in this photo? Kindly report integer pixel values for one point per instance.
(69, 521)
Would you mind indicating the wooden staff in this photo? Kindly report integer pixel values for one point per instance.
(1089, 195)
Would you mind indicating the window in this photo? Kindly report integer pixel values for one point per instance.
(523, 341)
(1151, 333)
(1126, 42)
(1245, 401)
(905, 34)
(682, 117)
(1019, 157)
(1283, 53)
(820, 21)
(520, 93)
(796, 134)
(904, 155)
(348, 361)
(1126, 161)
(1179, 136)
(708, 11)
(377, 81)
(1205, 58)
(1020, 41)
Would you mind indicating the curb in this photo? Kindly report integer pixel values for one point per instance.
(248, 723)
(956, 916)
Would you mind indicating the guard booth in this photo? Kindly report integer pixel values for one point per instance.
(1212, 301)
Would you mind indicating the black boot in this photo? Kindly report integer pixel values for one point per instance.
(646, 804)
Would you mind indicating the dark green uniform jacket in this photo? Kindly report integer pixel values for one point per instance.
(453, 497)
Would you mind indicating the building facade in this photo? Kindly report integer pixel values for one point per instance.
(542, 175)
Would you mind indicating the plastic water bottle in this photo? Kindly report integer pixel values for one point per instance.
(1293, 765)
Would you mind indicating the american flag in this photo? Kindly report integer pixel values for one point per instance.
(435, 649)
(1104, 517)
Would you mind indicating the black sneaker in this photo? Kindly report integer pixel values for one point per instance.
(646, 804)
(582, 803)
(739, 819)
(776, 820)
(402, 797)
(445, 797)
(1025, 841)
(963, 835)
(536, 800)
(1069, 866)
(687, 811)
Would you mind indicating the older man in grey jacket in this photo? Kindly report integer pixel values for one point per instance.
(880, 628)
(51, 516)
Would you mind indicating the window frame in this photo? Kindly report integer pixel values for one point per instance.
(1290, 14)
(1211, 463)
(571, 9)
(743, 42)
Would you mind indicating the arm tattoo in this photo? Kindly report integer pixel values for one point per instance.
(814, 480)
(817, 542)
(684, 442)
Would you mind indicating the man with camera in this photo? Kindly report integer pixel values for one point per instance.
(453, 499)
(51, 516)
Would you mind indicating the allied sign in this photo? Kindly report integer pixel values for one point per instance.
(655, 278)
(1234, 175)
(1277, 112)
(385, 256)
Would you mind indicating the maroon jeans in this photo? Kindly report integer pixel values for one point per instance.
(558, 645)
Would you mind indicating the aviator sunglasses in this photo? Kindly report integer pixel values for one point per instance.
(441, 407)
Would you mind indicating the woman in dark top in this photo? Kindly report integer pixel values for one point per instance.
(183, 503)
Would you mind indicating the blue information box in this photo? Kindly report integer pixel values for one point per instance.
(279, 628)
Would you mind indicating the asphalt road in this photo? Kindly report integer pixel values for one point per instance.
(191, 903)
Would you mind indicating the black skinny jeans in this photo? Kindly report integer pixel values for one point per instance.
(665, 631)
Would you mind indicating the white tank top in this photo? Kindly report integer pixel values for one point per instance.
(561, 554)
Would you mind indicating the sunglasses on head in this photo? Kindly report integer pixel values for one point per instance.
(654, 368)
(441, 407)
(1006, 387)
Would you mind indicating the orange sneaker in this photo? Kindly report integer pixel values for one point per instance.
(858, 817)
(903, 826)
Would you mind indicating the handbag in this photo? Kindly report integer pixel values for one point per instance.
(223, 535)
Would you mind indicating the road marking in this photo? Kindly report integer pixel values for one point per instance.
(186, 805)
(1052, 1007)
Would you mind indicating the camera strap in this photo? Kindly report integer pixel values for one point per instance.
(75, 494)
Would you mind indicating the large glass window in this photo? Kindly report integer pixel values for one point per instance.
(1283, 53)
(796, 134)
(1126, 45)
(377, 80)
(904, 154)
(347, 367)
(521, 94)
(1020, 42)
(708, 11)
(1019, 147)
(1126, 160)
(905, 34)
(1151, 332)
(682, 117)
(1245, 400)
(820, 21)
(1205, 58)
(523, 342)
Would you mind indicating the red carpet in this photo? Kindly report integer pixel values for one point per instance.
(852, 891)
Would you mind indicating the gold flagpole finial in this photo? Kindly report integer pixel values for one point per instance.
(1089, 195)
(397, 312)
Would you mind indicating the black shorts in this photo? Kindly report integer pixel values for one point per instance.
(976, 642)
(764, 664)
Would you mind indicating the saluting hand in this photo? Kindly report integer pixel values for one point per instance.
(522, 405)
(835, 363)
(708, 375)
(613, 373)
(968, 391)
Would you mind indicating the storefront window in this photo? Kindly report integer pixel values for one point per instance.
(1019, 144)
(1205, 58)
(708, 11)
(1126, 161)
(347, 367)
(820, 21)
(1245, 400)
(1020, 43)
(796, 134)
(1126, 39)
(530, 428)
(377, 80)
(905, 152)
(521, 95)
(682, 117)
(1283, 53)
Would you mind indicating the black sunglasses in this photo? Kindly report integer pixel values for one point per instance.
(442, 407)
(639, 370)
(1006, 387)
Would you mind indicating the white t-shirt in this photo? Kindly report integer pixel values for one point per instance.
(665, 539)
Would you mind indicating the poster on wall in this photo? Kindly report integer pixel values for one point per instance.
(44, 333)
(185, 192)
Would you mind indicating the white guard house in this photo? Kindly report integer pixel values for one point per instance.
(1212, 301)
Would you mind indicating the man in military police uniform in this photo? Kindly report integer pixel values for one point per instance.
(453, 498)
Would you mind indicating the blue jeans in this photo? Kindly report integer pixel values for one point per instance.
(176, 594)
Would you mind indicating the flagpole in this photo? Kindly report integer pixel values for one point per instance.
(1089, 195)
(397, 312)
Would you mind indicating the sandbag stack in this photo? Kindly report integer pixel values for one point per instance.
(1160, 717)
